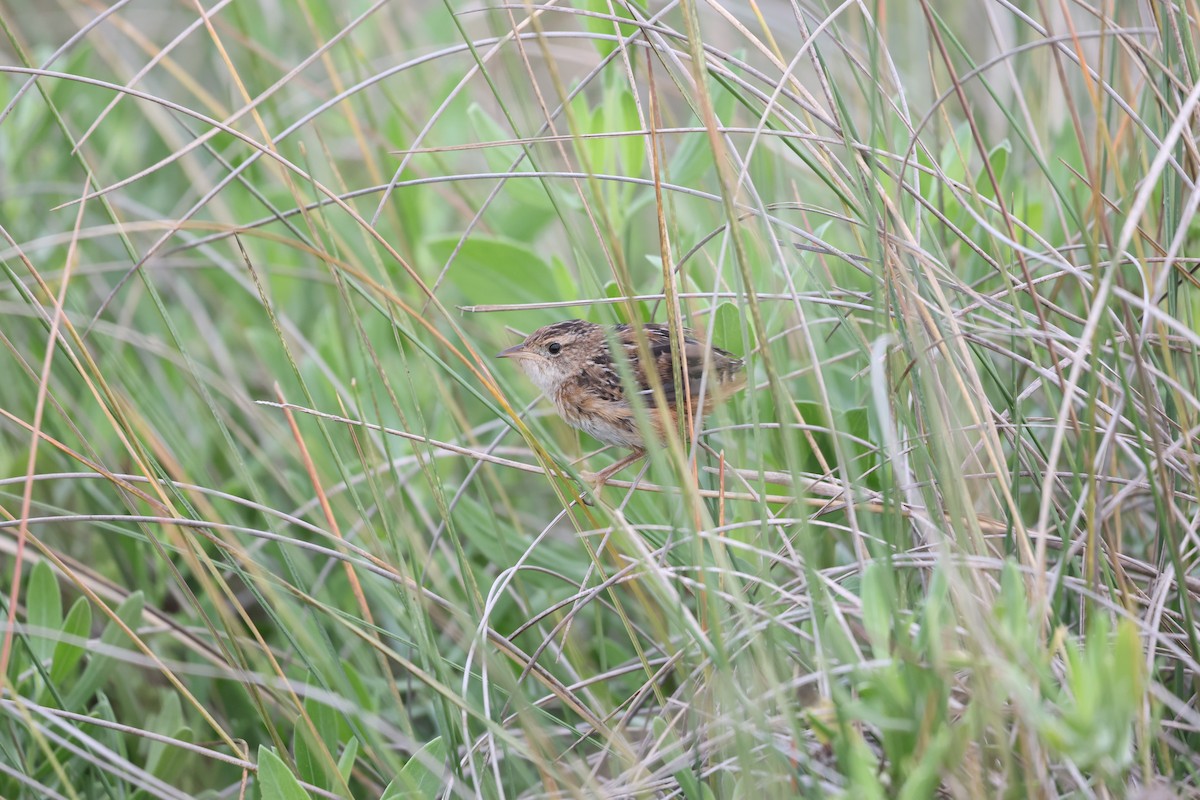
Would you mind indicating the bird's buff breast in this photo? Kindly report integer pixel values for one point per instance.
(606, 422)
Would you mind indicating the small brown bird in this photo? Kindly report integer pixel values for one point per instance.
(572, 364)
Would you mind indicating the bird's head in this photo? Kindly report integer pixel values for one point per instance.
(551, 355)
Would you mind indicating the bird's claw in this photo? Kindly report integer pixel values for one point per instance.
(587, 484)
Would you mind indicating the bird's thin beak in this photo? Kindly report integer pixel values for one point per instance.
(515, 350)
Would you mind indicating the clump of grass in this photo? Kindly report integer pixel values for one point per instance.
(274, 520)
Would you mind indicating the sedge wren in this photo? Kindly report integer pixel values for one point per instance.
(573, 364)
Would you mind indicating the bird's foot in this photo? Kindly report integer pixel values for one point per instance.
(594, 481)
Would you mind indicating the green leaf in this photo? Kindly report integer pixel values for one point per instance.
(935, 612)
(923, 779)
(927, 174)
(528, 207)
(877, 603)
(168, 760)
(1101, 706)
(839, 643)
(487, 270)
(162, 758)
(416, 781)
(957, 152)
(691, 160)
(583, 122)
(621, 116)
(724, 103)
(858, 764)
(608, 27)
(328, 721)
(364, 698)
(814, 414)
(565, 284)
(68, 651)
(728, 328)
(346, 760)
(101, 664)
(43, 602)
(998, 159)
(640, 309)
(312, 764)
(1129, 660)
(275, 780)
(858, 424)
(665, 734)
(601, 153)
(499, 157)
(102, 710)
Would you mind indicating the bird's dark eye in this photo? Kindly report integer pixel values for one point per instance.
(554, 349)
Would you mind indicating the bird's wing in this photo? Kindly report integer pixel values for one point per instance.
(723, 364)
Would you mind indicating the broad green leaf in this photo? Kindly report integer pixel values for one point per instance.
(814, 414)
(877, 608)
(621, 116)
(165, 760)
(43, 602)
(168, 760)
(583, 121)
(724, 103)
(858, 763)
(311, 765)
(1098, 712)
(526, 207)
(346, 760)
(956, 153)
(108, 735)
(275, 780)
(640, 309)
(923, 779)
(416, 781)
(691, 160)
(1129, 660)
(487, 270)
(935, 611)
(363, 696)
(329, 722)
(68, 651)
(840, 645)
(669, 746)
(607, 27)
(728, 328)
(857, 423)
(101, 664)
(926, 172)
(498, 157)
(565, 284)
(602, 155)
(998, 159)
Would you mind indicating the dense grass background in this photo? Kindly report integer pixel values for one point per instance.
(274, 523)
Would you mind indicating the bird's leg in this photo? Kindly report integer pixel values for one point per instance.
(598, 479)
